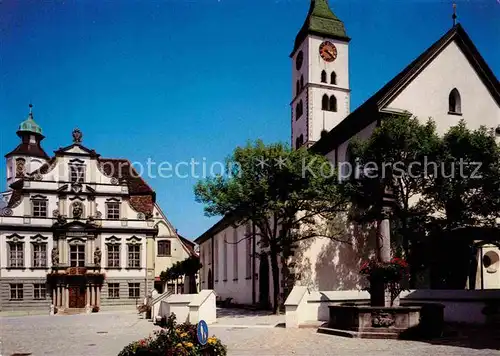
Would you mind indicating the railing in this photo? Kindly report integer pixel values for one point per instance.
(155, 304)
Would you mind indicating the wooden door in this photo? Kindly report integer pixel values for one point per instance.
(77, 297)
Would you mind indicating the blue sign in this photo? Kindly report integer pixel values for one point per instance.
(202, 332)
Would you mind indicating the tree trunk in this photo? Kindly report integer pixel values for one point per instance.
(276, 277)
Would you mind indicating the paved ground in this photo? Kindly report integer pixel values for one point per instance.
(105, 334)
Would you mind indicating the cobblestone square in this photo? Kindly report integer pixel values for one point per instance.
(105, 334)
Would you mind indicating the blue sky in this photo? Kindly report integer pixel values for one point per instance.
(175, 80)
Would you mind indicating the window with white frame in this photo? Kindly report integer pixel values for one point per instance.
(77, 255)
(113, 290)
(16, 291)
(113, 255)
(134, 256)
(39, 291)
(16, 254)
(76, 173)
(39, 208)
(39, 254)
(134, 290)
(113, 210)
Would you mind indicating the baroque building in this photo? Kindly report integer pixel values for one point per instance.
(78, 230)
(448, 82)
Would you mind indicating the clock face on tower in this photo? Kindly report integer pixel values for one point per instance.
(299, 60)
(328, 51)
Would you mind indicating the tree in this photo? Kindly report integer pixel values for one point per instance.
(395, 157)
(188, 267)
(467, 185)
(283, 192)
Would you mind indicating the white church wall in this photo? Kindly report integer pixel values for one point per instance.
(427, 95)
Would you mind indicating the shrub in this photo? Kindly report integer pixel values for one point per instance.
(175, 339)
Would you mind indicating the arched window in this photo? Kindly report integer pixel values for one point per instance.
(333, 78)
(301, 140)
(454, 102)
(301, 81)
(297, 87)
(333, 103)
(297, 144)
(299, 110)
(323, 77)
(324, 102)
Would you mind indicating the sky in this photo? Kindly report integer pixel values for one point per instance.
(171, 81)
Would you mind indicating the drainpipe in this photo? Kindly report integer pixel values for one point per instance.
(213, 264)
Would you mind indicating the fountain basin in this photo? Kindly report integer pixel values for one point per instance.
(405, 321)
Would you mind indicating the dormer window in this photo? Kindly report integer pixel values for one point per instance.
(113, 210)
(76, 173)
(454, 102)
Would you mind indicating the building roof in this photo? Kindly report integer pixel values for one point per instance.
(320, 21)
(29, 125)
(369, 111)
(188, 244)
(28, 149)
(216, 228)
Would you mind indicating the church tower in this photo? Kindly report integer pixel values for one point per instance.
(320, 75)
(29, 154)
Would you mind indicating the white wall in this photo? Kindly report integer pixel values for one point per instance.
(427, 95)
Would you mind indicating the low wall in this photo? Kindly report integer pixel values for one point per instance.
(190, 307)
(465, 306)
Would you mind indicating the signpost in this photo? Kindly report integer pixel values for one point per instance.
(202, 332)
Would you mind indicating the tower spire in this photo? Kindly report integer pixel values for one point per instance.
(454, 16)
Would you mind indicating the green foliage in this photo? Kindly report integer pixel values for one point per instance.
(468, 185)
(277, 189)
(190, 266)
(175, 339)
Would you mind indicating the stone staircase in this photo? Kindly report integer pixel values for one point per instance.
(71, 311)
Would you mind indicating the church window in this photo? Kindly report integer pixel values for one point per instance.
(16, 291)
(16, 254)
(235, 254)
(333, 78)
(323, 77)
(113, 255)
(301, 81)
(455, 102)
(113, 210)
(299, 109)
(333, 103)
(39, 208)
(39, 255)
(224, 266)
(164, 248)
(77, 255)
(299, 141)
(248, 236)
(324, 102)
(134, 256)
(297, 87)
(39, 290)
(216, 260)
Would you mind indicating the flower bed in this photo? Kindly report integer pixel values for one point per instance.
(175, 339)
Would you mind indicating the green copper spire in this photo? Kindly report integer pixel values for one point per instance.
(321, 21)
(29, 125)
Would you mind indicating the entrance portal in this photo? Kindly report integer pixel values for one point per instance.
(77, 296)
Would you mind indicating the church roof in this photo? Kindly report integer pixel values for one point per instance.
(29, 125)
(369, 111)
(320, 21)
(28, 149)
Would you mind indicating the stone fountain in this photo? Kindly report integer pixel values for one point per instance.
(384, 317)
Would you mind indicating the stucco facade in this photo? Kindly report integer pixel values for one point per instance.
(76, 231)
